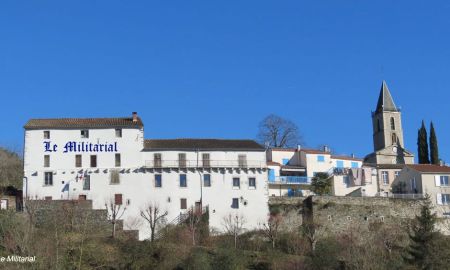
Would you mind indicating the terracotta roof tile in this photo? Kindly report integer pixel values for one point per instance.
(347, 158)
(429, 168)
(83, 123)
(202, 144)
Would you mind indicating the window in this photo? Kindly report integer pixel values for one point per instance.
(320, 158)
(236, 182)
(385, 177)
(93, 161)
(78, 162)
(445, 198)
(235, 203)
(158, 180)
(355, 165)
(118, 199)
(157, 160)
(271, 175)
(118, 133)
(82, 197)
(48, 178)
(394, 138)
(115, 177)
(47, 161)
(340, 163)
(183, 180)
(87, 183)
(84, 133)
(206, 160)
(183, 203)
(182, 160)
(252, 182)
(207, 180)
(242, 161)
(444, 180)
(346, 180)
(396, 174)
(48, 198)
(392, 123)
(46, 134)
(117, 161)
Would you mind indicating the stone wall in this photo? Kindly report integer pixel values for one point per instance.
(339, 214)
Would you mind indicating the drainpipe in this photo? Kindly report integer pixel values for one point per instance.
(201, 182)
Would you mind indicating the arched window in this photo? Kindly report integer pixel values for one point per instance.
(394, 138)
(378, 125)
(392, 123)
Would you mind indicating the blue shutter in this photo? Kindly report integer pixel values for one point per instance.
(321, 158)
(340, 164)
(285, 161)
(355, 165)
(271, 175)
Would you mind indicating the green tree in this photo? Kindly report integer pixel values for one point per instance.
(434, 151)
(321, 184)
(422, 145)
(422, 235)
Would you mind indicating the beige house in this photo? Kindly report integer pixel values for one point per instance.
(420, 179)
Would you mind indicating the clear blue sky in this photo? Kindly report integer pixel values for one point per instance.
(216, 68)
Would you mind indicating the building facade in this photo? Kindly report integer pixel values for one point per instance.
(108, 160)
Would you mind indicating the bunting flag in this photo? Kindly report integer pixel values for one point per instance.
(66, 187)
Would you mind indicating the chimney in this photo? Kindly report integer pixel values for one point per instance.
(134, 116)
(299, 147)
(353, 155)
(441, 162)
(326, 149)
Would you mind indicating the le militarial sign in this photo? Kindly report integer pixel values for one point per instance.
(80, 147)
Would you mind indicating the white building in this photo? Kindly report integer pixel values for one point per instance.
(104, 159)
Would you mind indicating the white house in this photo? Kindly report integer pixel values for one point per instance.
(104, 159)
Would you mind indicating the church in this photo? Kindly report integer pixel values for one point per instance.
(390, 154)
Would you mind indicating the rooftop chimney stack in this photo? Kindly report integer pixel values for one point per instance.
(134, 116)
(299, 147)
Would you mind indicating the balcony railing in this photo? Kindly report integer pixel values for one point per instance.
(300, 180)
(205, 164)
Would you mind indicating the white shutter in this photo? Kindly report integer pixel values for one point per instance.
(437, 180)
(439, 198)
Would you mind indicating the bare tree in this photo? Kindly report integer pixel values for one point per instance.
(312, 231)
(154, 216)
(278, 132)
(272, 228)
(115, 213)
(234, 225)
(193, 219)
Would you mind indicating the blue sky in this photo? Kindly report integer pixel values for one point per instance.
(216, 68)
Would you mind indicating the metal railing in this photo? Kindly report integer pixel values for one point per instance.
(291, 180)
(205, 164)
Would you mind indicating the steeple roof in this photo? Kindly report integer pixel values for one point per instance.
(385, 101)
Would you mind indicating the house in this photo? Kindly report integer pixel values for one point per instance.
(292, 169)
(108, 160)
(416, 180)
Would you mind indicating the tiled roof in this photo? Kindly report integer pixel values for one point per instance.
(201, 144)
(83, 123)
(429, 168)
(307, 151)
(271, 163)
(347, 158)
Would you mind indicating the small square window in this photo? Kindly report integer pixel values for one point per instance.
(46, 134)
(158, 180)
(118, 133)
(183, 203)
(118, 199)
(78, 161)
(444, 180)
(183, 180)
(252, 182)
(47, 161)
(114, 177)
(236, 182)
(235, 203)
(117, 160)
(84, 133)
(93, 161)
(206, 180)
(321, 158)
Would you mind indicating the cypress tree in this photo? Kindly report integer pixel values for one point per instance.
(434, 151)
(422, 145)
(422, 236)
